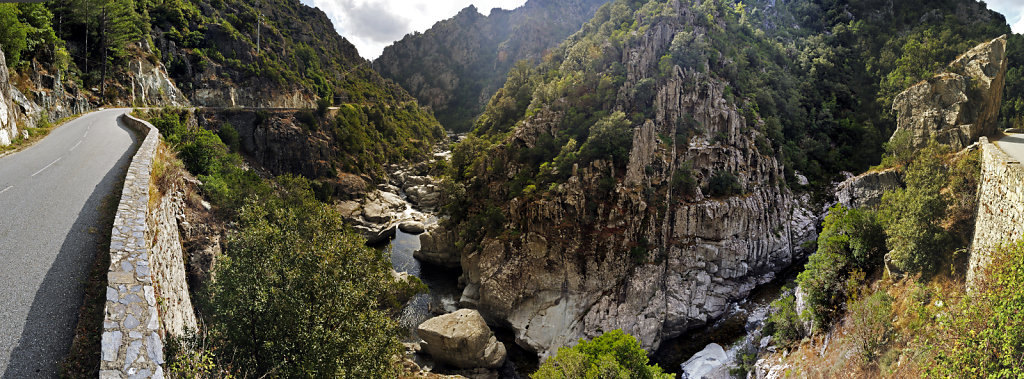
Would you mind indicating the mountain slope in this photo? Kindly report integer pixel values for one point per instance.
(456, 65)
(651, 166)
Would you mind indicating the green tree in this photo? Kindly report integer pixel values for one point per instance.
(783, 323)
(13, 33)
(851, 244)
(613, 354)
(913, 215)
(300, 295)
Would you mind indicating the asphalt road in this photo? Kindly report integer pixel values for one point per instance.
(1012, 144)
(50, 195)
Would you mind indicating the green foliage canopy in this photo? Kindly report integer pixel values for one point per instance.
(613, 354)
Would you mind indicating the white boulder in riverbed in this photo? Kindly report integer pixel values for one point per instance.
(710, 363)
(462, 339)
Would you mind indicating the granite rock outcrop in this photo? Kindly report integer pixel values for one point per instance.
(957, 106)
(865, 190)
(462, 339)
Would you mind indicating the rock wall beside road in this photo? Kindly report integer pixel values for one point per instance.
(145, 264)
(1000, 217)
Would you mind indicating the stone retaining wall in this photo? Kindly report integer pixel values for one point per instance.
(1000, 217)
(132, 342)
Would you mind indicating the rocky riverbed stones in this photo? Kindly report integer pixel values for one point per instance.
(462, 339)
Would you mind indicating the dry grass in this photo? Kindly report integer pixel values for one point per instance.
(167, 172)
(916, 308)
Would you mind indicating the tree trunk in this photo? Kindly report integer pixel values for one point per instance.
(103, 45)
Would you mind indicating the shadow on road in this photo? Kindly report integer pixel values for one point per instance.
(53, 317)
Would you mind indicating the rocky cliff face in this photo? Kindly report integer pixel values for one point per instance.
(960, 105)
(865, 190)
(342, 150)
(627, 244)
(150, 85)
(281, 54)
(459, 63)
(48, 96)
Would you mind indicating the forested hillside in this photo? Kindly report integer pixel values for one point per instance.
(269, 54)
(456, 65)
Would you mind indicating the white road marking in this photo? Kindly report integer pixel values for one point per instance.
(76, 145)
(47, 166)
(5, 189)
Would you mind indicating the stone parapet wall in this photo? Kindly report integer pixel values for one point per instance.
(132, 341)
(1000, 216)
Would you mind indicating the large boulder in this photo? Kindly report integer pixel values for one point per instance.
(462, 339)
(960, 105)
(866, 190)
(437, 246)
(710, 363)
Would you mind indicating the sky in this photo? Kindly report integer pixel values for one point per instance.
(1013, 10)
(372, 25)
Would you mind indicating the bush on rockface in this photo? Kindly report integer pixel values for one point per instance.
(613, 354)
(784, 323)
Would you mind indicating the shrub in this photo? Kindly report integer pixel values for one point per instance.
(683, 180)
(203, 152)
(610, 138)
(613, 354)
(912, 216)
(870, 323)
(984, 334)
(784, 324)
(229, 135)
(851, 243)
(724, 183)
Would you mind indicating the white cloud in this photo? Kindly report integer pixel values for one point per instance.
(1012, 9)
(372, 25)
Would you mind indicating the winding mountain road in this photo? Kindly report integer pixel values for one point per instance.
(50, 195)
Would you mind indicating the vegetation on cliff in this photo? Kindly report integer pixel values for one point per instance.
(811, 80)
(912, 315)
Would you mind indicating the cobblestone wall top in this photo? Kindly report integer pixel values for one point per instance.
(132, 340)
